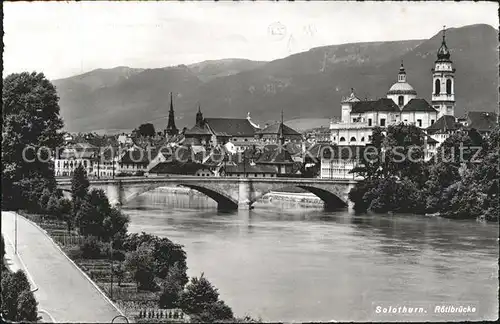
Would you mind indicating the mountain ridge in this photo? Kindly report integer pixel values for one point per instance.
(305, 85)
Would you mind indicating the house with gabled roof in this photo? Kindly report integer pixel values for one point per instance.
(219, 131)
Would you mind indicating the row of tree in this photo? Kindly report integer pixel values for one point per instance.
(18, 301)
(461, 181)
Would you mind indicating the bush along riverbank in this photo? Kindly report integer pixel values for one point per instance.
(460, 182)
(145, 275)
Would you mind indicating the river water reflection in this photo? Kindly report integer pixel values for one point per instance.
(284, 262)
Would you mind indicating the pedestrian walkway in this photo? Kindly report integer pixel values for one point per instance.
(63, 291)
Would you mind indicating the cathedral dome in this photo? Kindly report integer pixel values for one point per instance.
(401, 88)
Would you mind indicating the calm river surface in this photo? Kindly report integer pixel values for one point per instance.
(284, 262)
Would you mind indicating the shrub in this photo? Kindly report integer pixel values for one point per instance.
(91, 249)
(118, 255)
(74, 253)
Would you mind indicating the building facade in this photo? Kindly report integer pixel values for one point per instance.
(401, 104)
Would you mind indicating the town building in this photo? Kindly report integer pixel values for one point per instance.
(359, 117)
(279, 133)
(249, 170)
(337, 162)
(279, 158)
(482, 121)
(241, 132)
(74, 155)
(443, 128)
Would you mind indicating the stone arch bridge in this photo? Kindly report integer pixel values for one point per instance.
(229, 193)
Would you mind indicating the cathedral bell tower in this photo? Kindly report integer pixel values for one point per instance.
(443, 82)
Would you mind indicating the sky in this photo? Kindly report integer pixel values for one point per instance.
(63, 39)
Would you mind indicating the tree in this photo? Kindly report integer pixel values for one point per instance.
(44, 199)
(115, 223)
(18, 302)
(27, 306)
(79, 188)
(119, 273)
(167, 254)
(92, 212)
(147, 130)
(200, 299)
(140, 264)
(198, 294)
(53, 205)
(169, 297)
(31, 121)
(214, 312)
(2, 248)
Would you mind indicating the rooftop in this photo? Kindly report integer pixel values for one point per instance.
(482, 121)
(230, 126)
(444, 123)
(418, 105)
(383, 104)
(276, 129)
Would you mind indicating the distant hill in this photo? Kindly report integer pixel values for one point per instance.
(208, 70)
(305, 85)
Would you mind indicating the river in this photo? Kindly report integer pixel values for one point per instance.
(286, 262)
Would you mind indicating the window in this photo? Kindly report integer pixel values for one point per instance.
(369, 137)
(401, 100)
(437, 87)
(406, 120)
(382, 122)
(369, 121)
(353, 139)
(419, 122)
(362, 139)
(432, 121)
(448, 86)
(256, 175)
(342, 139)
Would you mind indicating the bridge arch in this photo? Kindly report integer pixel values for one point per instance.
(223, 200)
(330, 197)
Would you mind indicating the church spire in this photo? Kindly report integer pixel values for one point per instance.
(443, 52)
(199, 117)
(171, 129)
(282, 137)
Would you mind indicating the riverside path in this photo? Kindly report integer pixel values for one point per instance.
(63, 291)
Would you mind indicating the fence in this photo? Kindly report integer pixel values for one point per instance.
(70, 240)
(175, 314)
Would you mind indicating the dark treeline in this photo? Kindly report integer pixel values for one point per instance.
(460, 181)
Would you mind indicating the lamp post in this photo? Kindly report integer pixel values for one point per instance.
(112, 270)
(15, 235)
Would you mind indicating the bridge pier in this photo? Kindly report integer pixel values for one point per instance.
(114, 191)
(244, 194)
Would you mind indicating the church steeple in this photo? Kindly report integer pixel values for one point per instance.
(171, 129)
(282, 137)
(199, 117)
(443, 53)
(402, 73)
(443, 81)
